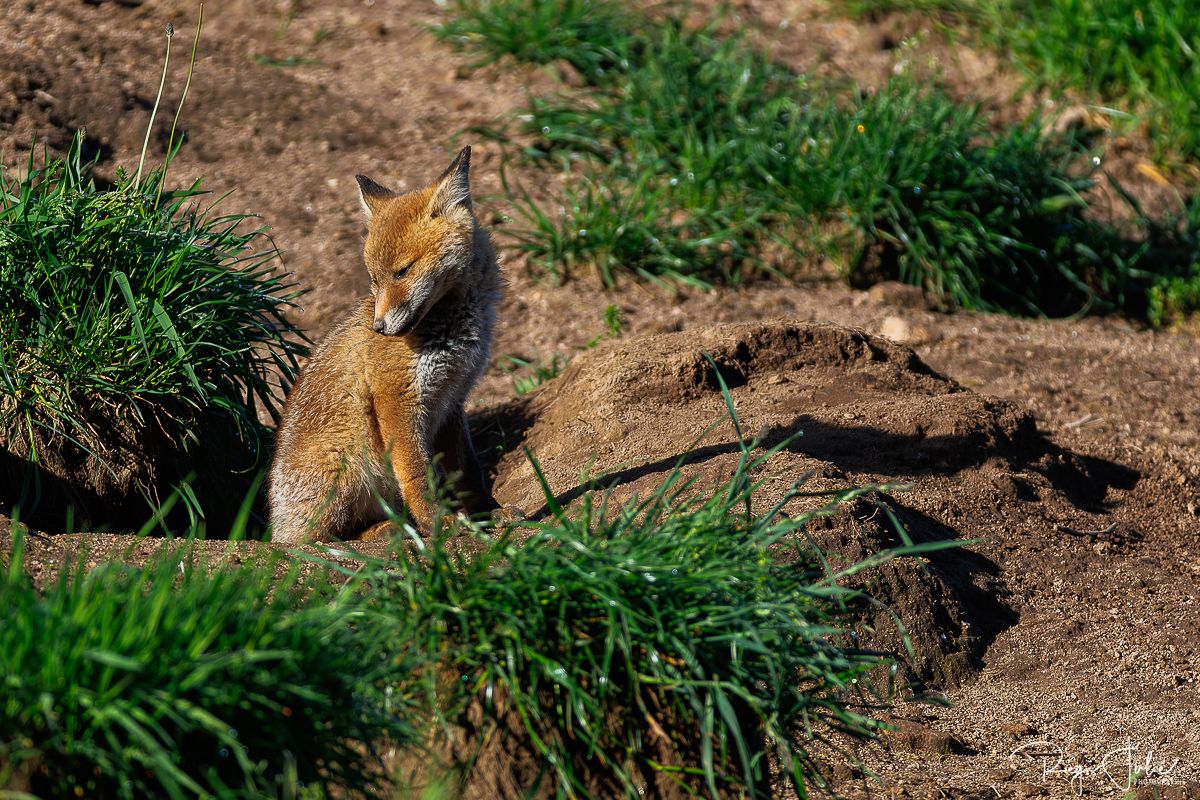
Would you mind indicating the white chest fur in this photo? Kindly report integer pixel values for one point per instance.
(453, 355)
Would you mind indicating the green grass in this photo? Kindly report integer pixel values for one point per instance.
(684, 637)
(1174, 298)
(185, 679)
(691, 637)
(528, 375)
(980, 219)
(139, 330)
(706, 153)
(697, 160)
(664, 190)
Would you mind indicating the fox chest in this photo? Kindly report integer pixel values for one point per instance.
(452, 354)
(444, 374)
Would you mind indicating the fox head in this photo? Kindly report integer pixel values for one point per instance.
(419, 244)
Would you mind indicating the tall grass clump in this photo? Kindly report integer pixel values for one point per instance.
(141, 337)
(673, 145)
(980, 219)
(698, 160)
(675, 645)
(184, 679)
(141, 333)
(707, 157)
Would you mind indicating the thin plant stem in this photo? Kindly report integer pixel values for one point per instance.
(137, 178)
(187, 84)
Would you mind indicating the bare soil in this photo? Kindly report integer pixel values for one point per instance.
(1065, 640)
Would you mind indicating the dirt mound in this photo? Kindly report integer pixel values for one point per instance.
(123, 474)
(850, 404)
(683, 373)
(849, 409)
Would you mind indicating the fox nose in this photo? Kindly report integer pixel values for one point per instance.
(378, 326)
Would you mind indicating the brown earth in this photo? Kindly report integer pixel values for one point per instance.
(1070, 449)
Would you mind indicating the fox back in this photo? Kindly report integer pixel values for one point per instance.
(380, 405)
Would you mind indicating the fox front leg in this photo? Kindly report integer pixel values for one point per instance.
(410, 461)
(411, 469)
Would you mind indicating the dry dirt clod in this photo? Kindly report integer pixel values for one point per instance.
(1018, 730)
(915, 737)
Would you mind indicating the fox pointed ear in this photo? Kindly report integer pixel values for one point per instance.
(371, 194)
(454, 186)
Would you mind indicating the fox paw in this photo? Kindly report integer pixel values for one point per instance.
(508, 513)
(380, 531)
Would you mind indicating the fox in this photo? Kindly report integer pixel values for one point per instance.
(379, 406)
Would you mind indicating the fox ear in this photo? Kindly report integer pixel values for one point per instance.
(371, 194)
(454, 186)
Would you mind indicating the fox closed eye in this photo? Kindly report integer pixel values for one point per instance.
(398, 274)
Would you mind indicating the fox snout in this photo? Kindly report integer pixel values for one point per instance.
(394, 321)
(382, 326)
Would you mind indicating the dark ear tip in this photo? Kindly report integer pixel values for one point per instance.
(463, 159)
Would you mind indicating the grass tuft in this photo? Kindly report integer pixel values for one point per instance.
(528, 375)
(588, 34)
(184, 679)
(138, 328)
(1174, 295)
(1138, 54)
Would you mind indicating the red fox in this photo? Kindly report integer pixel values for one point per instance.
(383, 394)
